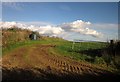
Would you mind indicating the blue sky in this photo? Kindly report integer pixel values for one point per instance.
(62, 12)
(57, 13)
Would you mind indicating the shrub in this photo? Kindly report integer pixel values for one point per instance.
(99, 60)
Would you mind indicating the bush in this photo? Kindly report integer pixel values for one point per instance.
(99, 60)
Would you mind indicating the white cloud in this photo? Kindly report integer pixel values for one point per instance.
(74, 30)
(50, 30)
(7, 25)
(104, 26)
(79, 24)
(46, 30)
(109, 30)
(81, 27)
(88, 31)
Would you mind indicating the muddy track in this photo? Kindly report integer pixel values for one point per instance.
(36, 62)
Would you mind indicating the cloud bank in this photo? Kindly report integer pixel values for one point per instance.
(80, 27)
(45, 30)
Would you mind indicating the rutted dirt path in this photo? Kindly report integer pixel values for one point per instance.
(36, 62)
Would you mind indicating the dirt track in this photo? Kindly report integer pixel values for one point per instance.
(36, 63)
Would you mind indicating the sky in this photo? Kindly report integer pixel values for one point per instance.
(75, 20)
(60, 0)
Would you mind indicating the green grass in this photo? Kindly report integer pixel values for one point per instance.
(15, 39)
(63, 48)
(14, 45)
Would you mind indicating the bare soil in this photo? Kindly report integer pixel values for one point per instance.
(37, 63)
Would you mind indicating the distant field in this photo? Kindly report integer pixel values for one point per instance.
(66, 48)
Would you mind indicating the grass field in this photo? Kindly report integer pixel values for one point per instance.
(63, 48)
(55, 54)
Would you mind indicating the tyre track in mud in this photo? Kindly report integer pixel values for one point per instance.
(45, 65)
